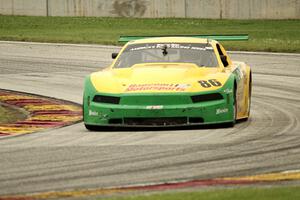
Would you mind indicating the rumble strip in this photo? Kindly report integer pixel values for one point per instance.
(43, 113)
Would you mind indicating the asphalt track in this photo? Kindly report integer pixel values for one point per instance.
(73, 158)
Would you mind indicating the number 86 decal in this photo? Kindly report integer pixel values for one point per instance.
(210, 83)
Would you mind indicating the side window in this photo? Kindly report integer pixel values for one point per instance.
(222, 56)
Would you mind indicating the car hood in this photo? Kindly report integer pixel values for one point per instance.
(158, 78)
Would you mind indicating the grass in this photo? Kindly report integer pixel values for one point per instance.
(8, 115)
(265, 35)
(272, 193)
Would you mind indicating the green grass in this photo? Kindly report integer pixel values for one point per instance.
(8, 115)
(265, 35)
(273, 193)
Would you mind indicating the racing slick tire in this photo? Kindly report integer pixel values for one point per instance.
(231, 124)
(249, 97)
(91, 127)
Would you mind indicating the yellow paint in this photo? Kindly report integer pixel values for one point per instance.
(18, 130)
(52, 107)
(59, 118)
(69, 194)
(119, 80)
(289, 176)
(14, 97)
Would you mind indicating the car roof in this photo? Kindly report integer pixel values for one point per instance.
(171, 40)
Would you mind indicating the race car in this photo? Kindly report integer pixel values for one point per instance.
(169, 81)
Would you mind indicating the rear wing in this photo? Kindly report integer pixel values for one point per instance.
(229, 37)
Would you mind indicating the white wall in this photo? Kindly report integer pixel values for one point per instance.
(214, 9)
(23, 7)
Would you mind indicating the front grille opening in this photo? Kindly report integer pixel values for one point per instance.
(162, 121)
(115, 121)
(206, 97)
(106, 99)
(196, 120)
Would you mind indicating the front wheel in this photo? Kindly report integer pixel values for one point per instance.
(249, 97)
(91, 127)
(234, 108)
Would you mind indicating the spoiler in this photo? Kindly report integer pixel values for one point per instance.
(229, 37)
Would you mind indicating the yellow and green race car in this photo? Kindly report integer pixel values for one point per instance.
(169, 81)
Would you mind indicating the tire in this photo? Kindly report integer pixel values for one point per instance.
(91, 127)
(234, 107)
(249, 106)
(249, 97)
(88, 127)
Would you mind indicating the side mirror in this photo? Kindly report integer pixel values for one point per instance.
(114, 55)
(224, 60)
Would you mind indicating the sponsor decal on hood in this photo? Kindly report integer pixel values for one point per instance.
(157, 86)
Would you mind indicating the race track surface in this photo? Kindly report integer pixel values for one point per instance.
(73, 158)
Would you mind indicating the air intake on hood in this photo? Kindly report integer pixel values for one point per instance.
(206, 97)
(106, 99)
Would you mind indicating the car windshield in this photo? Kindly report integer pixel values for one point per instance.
(199, 54)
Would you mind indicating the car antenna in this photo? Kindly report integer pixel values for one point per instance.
(207, 41)
(164, 49)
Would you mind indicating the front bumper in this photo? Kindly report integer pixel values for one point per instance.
(157, 109)
(101, 114)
